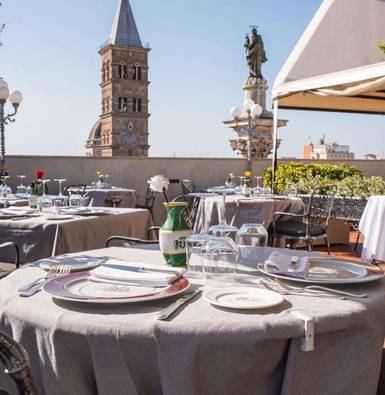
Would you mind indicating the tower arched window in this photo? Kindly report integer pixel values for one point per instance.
(137, 72)
(122, 70)
(137, 105)
(108, 70)
(122, 104)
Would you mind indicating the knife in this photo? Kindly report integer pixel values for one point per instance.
(169, 310)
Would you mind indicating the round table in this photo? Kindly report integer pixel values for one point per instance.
(105, 349)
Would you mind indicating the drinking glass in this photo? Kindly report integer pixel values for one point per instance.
(223, 229)
(250, 239)
(45, 204)
(60, 181)
(59, 202)
(6, 190)
(76, 200)
(194, 245)
(44, 186)
(21, 188)
(219, 261)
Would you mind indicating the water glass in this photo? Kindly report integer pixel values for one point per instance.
(219, 261)
(194, 245)
(59, 202)
(45, 204)
(252, 235)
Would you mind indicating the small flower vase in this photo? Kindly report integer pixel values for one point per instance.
(246, 188)
(172, 235)
(37, 188)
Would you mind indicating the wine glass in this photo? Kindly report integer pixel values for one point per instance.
(21, 188)
(222, 229)
(219, 261)
(6, 190)
(60, 181)
(44, 182)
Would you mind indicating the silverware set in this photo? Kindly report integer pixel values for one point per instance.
(310, 290)
(34, 287)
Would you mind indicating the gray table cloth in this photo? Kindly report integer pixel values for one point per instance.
(41, 238)
(255, 210)
(99, 196)
(104, 349)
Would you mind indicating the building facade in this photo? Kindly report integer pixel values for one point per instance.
(122, 128)
(324, 150)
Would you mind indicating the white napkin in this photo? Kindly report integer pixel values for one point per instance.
(17, 211)
(287, 265)
(135, 273)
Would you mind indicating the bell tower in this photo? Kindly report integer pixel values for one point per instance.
(122, 128)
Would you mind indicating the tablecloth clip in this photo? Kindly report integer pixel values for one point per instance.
(307, 342)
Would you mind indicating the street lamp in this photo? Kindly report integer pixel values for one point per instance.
(249, 114)
(15, 98)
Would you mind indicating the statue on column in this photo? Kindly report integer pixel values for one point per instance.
(256, 54)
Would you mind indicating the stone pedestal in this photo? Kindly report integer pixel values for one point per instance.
(262, 137)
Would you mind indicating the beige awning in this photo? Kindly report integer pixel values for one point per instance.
(336, 65)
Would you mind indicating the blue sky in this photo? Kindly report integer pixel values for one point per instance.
(197, 69)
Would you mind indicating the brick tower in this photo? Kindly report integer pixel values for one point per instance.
(122, 128)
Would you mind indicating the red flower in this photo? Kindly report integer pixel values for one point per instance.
(39, 174)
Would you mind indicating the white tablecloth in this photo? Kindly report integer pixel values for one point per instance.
(254, 210)
(372, 226)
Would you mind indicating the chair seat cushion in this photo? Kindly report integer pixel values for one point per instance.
(297, 229)
(6, 268)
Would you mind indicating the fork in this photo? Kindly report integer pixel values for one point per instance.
(61, 270)
(53, 269)
(319, 288)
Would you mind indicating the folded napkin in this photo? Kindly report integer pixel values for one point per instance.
(17, 211)
(135, 274)
(287, 265)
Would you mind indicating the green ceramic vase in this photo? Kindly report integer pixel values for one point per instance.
(172, 235)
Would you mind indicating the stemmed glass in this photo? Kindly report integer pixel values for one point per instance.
(21, 189)
(6, 190)
(45, 200)
(222, 229)
(60, 181)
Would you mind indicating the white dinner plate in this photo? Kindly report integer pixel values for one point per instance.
(77, 287)
(333, 271)
(243, 298)
(75, 263)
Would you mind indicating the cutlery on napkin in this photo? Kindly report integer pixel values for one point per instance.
(284, 264)
(113, 271)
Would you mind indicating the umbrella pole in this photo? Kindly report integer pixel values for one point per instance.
(275, 132)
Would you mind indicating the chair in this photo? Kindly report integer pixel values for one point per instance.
(17, 365)
(133, 241)
(187, 187)
(311, 225)
(191, 209)
(75, 188)
(148, 202)
(7, 268)
(113, 201)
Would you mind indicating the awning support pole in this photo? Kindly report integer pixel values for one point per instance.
(275, 133)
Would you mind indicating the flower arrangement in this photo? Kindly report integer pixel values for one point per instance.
(3, 174)
(159, 183)
(100, 176)
(37, 184)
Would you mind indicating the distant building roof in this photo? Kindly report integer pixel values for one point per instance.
(124, 31)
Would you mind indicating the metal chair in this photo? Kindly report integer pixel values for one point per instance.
(187, 187)
(148, 202)
(75, 188)
(17, 365)
(311, 225)
(191, 209)
(5, 267)
(132, 241)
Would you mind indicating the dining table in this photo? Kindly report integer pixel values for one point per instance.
(238, 209)
(84, 349)
(372, 227)
(42, 235)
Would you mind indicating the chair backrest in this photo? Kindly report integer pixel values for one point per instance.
(17, 364)
(191, 209)
(75, 188)
(149, 198)
(321, 205)
(187, 187)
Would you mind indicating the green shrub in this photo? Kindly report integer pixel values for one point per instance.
(308, 176)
